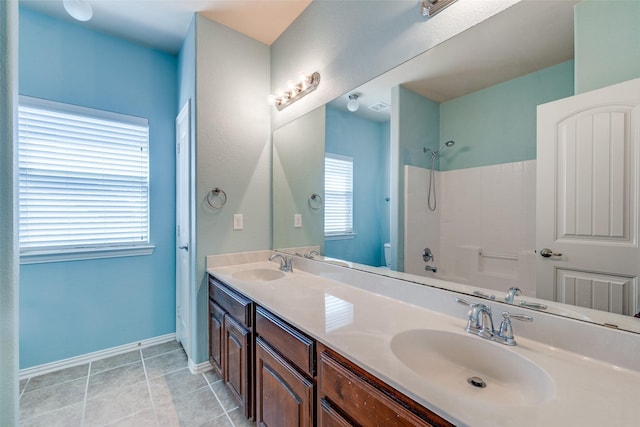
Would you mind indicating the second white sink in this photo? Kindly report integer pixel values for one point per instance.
(258, 275)
(473, 367)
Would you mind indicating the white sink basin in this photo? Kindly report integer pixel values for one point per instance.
(258, 275)
(450, 360)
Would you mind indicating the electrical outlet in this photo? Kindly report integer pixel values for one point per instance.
(297, 221)
(238, 222)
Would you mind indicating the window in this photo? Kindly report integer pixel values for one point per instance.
(84, 182)
(338, 195)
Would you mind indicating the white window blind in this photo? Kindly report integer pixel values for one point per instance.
(338, 195)
(84, 178)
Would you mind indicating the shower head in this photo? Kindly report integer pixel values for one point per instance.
(446, 144)
(435, 153)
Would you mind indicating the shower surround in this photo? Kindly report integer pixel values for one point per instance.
(483, 230)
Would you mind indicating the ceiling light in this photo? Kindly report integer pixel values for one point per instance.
(78, 9)
(353, 103)
(430, 7)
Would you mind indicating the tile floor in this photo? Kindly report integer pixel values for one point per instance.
(147, 387)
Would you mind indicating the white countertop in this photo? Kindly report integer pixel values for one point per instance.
(360, 325)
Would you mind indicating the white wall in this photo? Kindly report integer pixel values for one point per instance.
(486, 210)
(8, 242)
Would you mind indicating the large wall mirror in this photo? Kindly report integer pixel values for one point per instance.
(440, 155)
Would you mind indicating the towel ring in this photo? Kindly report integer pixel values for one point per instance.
(216, 192)
(315, 201)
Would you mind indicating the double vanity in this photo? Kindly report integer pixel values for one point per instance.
(330, 346)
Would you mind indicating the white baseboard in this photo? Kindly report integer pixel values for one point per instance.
(89, 357)
(200, 368)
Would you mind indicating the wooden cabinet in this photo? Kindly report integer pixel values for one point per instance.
(349, 395)
(284, 378)
(231, 342)
(285, 365)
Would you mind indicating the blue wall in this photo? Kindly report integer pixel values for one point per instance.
(368, 143)
(72, 308)
(607, 48)
(498, 124)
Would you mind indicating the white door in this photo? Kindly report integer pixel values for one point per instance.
(587, 199)
(183, 226)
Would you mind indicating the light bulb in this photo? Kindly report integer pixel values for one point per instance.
(78, 9)
(353, 103)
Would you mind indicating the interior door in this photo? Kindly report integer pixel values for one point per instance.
(587, 199)
(183, 226)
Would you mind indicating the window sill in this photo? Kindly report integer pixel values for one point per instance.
(61, 255)
(345, 236)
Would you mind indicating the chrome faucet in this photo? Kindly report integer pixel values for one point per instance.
(431, 268)
(311, 254)
(285, 262)
(515, 291)
(480, 322)
(512, 293)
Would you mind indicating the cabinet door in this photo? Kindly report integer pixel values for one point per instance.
(215, 336)
(284, 397)
(329, 417)
(236, 365)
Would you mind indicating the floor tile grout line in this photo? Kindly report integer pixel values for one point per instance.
(146, 377)
(226, 413)
(168, 372)
(86, 392)
(161, 354)
(24, 388)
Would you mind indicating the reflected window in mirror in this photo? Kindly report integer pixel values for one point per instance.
(338, 193)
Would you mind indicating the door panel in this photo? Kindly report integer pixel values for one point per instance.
(236, 364)
(598, 291)
(587, 187)
(183, 226)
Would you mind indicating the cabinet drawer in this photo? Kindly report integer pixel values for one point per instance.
(366, 399)
(234, 303)
(292, 344)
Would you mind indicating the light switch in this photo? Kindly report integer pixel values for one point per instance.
(238, 222)
(297, 221)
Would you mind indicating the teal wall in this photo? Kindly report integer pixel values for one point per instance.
(233, 152)
(418, 127)
(298, 172)
(607, 47)
(498, 124)
(72, 308)
(367, 142)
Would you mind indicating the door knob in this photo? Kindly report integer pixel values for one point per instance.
(546, 252)
(185, 247)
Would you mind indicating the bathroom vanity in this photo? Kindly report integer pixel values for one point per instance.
(328, 346)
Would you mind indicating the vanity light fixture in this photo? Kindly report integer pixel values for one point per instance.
(430, 7)
(78, 9)
(353, 103)
(295, 91)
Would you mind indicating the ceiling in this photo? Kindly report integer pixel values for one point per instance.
(163, 24)
(526, 37)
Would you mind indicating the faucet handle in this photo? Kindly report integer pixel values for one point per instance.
(505, 334)
(506, 315)
(464, 301)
